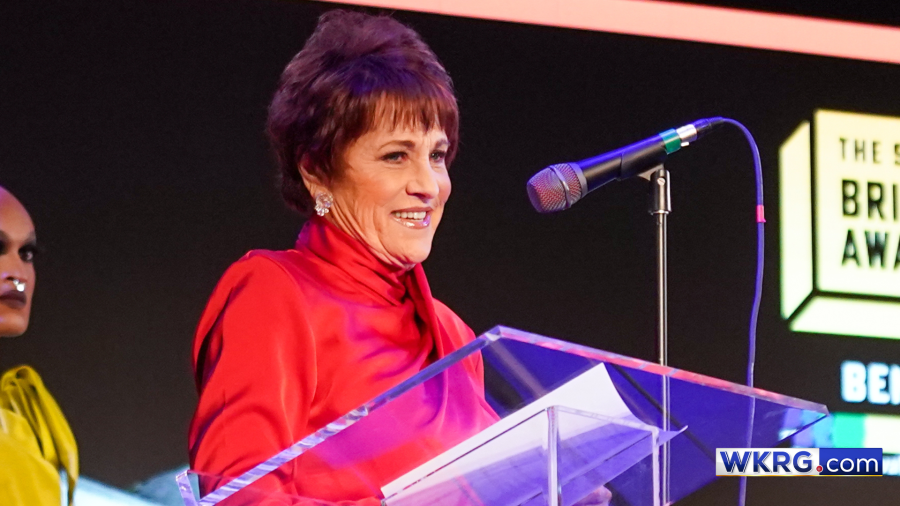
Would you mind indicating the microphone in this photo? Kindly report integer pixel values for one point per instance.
(559, 186)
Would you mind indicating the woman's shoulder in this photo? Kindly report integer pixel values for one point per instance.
(251, 284)
(259, 296)
(267, 269)
(31, 420)
(261, 265)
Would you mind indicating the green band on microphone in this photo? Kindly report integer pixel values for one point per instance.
(672, 140)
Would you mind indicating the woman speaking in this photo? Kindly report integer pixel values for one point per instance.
(364, 124)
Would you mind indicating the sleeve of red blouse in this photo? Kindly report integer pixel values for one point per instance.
(255, 366)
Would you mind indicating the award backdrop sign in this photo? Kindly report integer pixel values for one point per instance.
(840, 225)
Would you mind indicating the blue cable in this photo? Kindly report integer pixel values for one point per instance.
(757, 294)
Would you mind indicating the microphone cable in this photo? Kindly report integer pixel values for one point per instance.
(757, 293)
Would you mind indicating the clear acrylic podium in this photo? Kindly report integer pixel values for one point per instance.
(515, 418)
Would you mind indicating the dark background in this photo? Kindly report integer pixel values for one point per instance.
(133, 132)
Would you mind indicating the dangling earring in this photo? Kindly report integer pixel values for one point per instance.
(323, 203)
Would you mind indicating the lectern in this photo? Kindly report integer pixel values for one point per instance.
(563, 420)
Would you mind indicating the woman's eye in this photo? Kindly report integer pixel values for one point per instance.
(28, 253)
(396, 156)
(438, 156)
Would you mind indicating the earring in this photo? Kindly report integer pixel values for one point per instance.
(18, 284)
(323, 203)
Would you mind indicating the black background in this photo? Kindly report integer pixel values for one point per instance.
(133, 132)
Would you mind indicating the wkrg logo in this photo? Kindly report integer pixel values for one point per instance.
(798, 461)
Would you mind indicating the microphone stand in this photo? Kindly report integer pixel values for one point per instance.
(660, 207)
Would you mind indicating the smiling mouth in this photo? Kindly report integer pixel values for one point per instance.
(412, 219)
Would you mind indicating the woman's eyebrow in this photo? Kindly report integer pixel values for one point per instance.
(32, 237)
(405, 143)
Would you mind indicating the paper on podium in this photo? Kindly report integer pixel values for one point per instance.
(591, 392)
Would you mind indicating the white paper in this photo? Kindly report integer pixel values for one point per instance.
(592, 391)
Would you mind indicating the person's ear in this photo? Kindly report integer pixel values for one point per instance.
(320, 192)
(312, 182)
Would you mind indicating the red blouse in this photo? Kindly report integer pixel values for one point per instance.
(292, 340)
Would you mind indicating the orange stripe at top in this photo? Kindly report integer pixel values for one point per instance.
(714, 25)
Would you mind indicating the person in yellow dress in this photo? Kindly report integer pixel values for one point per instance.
(36, 442)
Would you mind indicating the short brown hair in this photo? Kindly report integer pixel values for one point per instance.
(355, 71)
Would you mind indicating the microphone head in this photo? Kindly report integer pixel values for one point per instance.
(556, 188)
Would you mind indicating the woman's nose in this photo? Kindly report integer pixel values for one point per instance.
(423, 182)
(12, 269)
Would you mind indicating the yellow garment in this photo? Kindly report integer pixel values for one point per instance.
(35, 442)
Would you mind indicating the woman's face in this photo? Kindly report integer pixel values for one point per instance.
(392, 191)
(17, 249)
